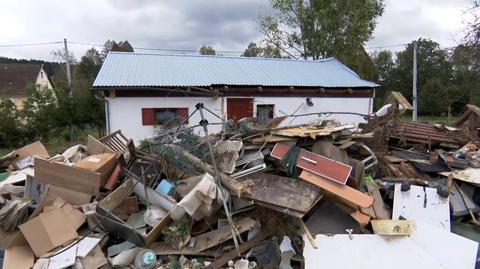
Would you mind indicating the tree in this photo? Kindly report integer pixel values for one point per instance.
(384, 65)
(10, 131)
(90, 64)
(207, 50)
(111, 45)
(254, 50)
(432, 63)
(321, 28)
(434, 98)
(89, 111)
(39, 112)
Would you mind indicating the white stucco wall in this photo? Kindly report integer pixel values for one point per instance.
(126, 112)
(42, 80)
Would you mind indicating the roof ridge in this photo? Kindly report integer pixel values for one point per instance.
(223, 57)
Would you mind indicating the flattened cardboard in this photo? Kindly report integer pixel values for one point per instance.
(18, 257)
(48, 231)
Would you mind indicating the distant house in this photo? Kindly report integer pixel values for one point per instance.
(143, 89)
(14, 78)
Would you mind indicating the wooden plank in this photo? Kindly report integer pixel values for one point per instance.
(379, 207)
(315, 163)
(361, 218)
(96, 147)
(282, 192)
(117, 196)
(307, 233)
(345, 193)
(206, 240)
(68, 177)
(392, 227)
(157, 230)
(470, 175)
(242, 248)
(409, 170)
(272, 139)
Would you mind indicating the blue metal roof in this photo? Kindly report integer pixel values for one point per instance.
(128, 69)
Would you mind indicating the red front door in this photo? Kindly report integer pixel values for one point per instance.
(238, 108)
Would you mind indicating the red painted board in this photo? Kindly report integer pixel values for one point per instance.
(315, 163)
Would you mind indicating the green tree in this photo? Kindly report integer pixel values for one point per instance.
(112, 45)
(434, 98)
(89, 111)
(207, 50)
(321, 28)
(384, 66)
(255, 50)
(10, 129)
(466, 82)
(90, 64)
(39, 112)
(432, 63)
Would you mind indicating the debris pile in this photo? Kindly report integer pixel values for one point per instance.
(256, 195)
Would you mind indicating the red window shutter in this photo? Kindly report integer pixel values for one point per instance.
(183, 113)
(148, 116)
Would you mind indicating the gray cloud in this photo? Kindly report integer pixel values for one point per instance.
(227, 25)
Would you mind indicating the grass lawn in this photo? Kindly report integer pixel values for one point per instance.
(57, 143)
(431, 119)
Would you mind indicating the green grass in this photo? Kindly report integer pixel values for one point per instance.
(58, 142)
(431, 119)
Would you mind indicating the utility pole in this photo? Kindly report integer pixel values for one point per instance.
(71, 128)
(414, 83)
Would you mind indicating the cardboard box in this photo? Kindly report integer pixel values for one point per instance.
(69, 177)
(34, 149)
(48, 231)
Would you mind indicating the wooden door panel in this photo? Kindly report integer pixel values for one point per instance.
(238, 108)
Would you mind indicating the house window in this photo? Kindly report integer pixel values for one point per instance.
(164, 116)
(41, 74)
(265, 113)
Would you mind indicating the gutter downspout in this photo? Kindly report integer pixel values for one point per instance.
(107, 112)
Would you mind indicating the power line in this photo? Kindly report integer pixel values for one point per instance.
(30, 44)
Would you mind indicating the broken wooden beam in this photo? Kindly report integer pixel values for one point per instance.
(345, 193)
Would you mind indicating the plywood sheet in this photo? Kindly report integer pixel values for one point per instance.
(282, 192)
(69, 177)
(470, 175)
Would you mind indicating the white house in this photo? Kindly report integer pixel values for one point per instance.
(14, 78)
(143, 89)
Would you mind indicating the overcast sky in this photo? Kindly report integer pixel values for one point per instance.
(225, 24)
